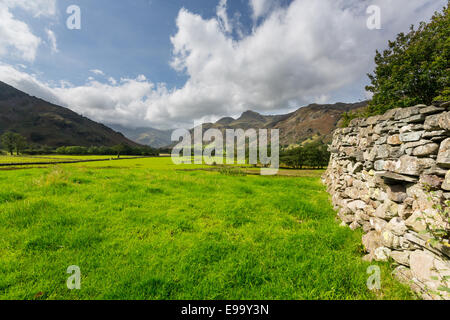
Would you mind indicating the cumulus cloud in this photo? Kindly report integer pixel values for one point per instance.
(304, 52)
(16, 38)
(260, 7)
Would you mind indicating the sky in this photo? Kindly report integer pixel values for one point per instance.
(169, 63)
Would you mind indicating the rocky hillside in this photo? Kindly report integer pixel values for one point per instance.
(310, 122)
(43, 123)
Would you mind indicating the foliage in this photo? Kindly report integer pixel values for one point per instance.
(440, 232)
(313, 155)
(13, 141)
(414, 69)
(115, 150)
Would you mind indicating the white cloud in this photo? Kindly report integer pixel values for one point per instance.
(52, 39)
(302, 53)
(223, 16)
(97, 72)
(16, 38)
(260, 7)
(35, 7)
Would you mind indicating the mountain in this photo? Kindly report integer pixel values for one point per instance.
(314, 121)
(307, 123)
(146, 136)
(43, 123)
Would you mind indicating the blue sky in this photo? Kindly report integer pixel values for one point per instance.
(167, 63)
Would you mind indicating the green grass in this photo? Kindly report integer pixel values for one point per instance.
(6, 159)
(141, 229)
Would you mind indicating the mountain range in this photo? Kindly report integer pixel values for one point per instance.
(43, 123)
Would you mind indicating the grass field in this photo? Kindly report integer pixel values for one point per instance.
(144, 229)
(50, 158)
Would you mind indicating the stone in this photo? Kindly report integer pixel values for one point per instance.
(411, 136)
(382, 254)
(378, 224)
(443, 159)
(428, 269)
(397, 226)
(408, 165)
(390, 240)
(431, 110)
(379, 165)
(394, 140)
(432, 181)
(444, 121)
(432, 134)
(426, 150)
(387, 210)
(446, 183)
(397, 193)
(354, 225)
(356, 205)
(392, 178)
(421, 263)
(432, 123)
(415, 119)
(406, 113)
(382, 152)
(416, 222)
(401, 257)
(371, 241)
(373, 120)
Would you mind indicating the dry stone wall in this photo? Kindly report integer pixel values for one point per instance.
(388, 175)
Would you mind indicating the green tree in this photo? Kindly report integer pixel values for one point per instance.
(20, 143)
(8, 141)
(415, 67)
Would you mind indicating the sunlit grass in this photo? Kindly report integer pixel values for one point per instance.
(143, 229)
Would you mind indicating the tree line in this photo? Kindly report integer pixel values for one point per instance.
(310, 155)
(16, 143)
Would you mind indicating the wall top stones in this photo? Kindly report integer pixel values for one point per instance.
(379, 172)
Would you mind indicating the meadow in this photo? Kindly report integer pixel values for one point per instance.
(148, 229)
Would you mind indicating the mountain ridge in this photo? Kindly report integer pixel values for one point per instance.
(44, 123)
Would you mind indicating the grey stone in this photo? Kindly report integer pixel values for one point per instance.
(415, 119)
(401, 257)
(432, 181)
(425, 150)
(431, 110)
(397, 226)
(411, 136)
(443, 159)
(444, 121)
(371, 241)
(379, 165)
(446, 183)
(406, 113)
(382, 254)
(432, 123)
(397, 193)
(391, 177)
(408, 165)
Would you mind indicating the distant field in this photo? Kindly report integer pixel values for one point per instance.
(148, 229)
(50, 158)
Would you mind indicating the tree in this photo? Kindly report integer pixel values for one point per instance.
(8, 139)
(20, 143)
(415, 68)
